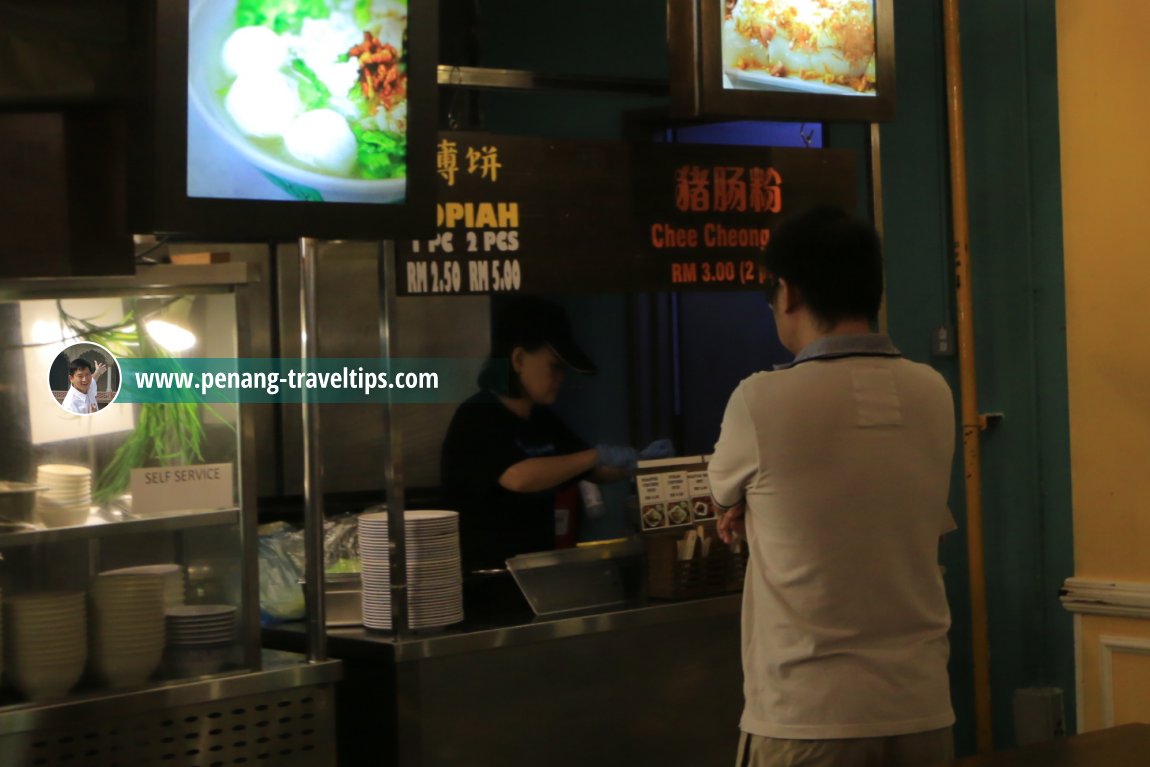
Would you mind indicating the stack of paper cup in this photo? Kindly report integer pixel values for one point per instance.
(45, 642)
(128, 627)
(67, 495)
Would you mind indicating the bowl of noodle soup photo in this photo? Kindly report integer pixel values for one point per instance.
(311, 94)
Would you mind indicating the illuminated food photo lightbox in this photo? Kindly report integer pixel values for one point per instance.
(795, 59)
(293, 118)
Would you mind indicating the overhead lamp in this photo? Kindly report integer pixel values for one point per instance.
(170, 336)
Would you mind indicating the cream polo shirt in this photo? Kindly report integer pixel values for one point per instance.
(844, 461)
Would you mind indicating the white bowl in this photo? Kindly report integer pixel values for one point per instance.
(42, 683)
(62, 516)
(63, 470)
(200, 611)
(197, 661)
(129, 672)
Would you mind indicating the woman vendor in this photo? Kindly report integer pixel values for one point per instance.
(506, 452)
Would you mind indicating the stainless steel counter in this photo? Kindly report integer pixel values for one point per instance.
(647, 683)
(492, 632)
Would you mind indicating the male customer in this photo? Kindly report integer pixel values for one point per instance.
(83, 378)
(836, 469)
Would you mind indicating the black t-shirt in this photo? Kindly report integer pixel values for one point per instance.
(483, 441)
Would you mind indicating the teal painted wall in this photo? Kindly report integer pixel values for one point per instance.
(1010, 82)
(1012, 135)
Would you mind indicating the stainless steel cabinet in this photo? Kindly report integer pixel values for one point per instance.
(131, 623)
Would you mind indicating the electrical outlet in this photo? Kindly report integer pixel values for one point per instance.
(942, 342)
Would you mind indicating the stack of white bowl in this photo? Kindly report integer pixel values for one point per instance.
(434, 574)
(128, 627)
(66, 497)
(172, 576)
(199, 638)
(45, 642)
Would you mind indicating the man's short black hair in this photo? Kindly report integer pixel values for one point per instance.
(833, 259)
(79, 363)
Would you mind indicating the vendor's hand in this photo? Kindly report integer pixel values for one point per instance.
(617, 457)
(732, 522)
(660, 448)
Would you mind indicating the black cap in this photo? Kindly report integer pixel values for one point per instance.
(531, 322)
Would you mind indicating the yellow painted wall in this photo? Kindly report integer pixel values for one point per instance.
(1103, 111)
(1118, 691)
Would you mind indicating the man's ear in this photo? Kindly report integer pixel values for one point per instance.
(788, 298)
(517, 355)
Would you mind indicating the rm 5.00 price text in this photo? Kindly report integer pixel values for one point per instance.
(494, 276)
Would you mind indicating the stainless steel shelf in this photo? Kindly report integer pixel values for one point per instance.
(126, 527)
(524, 80)
(159, 279)
(280, 671)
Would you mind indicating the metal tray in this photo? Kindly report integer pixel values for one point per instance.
(565, 580)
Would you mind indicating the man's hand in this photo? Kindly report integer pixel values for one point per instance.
(101, 368)
(732, 522)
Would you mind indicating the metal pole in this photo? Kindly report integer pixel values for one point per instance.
(972, 423)
(312, 459)
(393, 446)
(877, 209)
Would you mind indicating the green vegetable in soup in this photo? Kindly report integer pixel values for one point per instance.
(362, 12)
(381, 154)
(281, 15)
(312, 92)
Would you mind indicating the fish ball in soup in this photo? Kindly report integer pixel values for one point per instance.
(254, 49)
(321, 138)
(263, 104)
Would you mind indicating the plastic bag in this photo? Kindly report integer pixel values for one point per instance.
(281, 553)
(341, 544)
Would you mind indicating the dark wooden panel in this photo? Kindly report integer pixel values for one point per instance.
(1126, 746)
(62, 193)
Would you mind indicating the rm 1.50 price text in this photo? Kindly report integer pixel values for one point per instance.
(483, 276)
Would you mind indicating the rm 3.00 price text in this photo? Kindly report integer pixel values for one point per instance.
(494, 276)
(732, 272)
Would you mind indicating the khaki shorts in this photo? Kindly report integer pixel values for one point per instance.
(920, 749)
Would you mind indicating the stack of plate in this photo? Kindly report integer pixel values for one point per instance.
(128, 627)
(45, 642)
(199, 638)
(434, 575)
(171, 574)
(66, 496)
